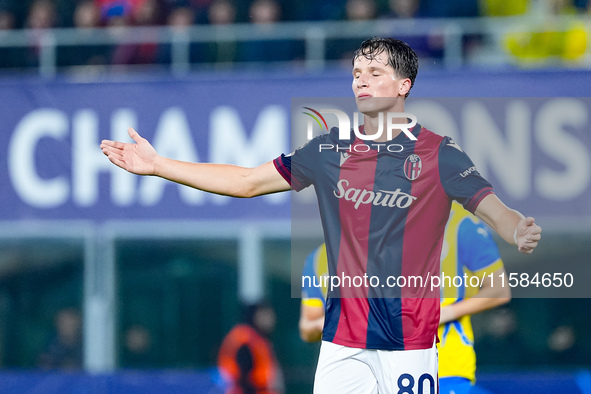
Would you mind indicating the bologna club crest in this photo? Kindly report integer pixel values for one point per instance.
(412, 167)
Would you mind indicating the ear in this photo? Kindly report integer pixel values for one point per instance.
(404, 87)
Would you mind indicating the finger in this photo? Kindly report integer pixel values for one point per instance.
(530, 245)
(107, 150)
(134, 134)
(115, 155)
(113, 144)
(533, 238)
(529, 221)
(535, 230)
(118, 162)
(525, 250)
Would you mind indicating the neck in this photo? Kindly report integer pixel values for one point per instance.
(374, 122)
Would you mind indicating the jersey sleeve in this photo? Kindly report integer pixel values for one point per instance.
(297, 168)
(460, 178)
(477, 249)
(311, 294)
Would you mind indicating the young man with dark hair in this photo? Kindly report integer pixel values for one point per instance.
(383, 214)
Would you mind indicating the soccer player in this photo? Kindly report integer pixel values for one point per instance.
(468, 249)
(313, 295)
(383, 215)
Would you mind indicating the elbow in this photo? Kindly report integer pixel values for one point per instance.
(503, 300)
(248, 192)
(242, 190)
(310, 335)
(305, 336)
(247, 187)
(505, 297)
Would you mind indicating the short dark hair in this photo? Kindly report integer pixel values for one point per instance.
(401, 56)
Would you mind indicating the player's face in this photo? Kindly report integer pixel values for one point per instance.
(373, 79)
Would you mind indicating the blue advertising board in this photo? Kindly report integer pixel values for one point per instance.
(536, 152)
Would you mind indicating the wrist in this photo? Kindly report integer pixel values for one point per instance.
(157, 171)
(451, 313)
(515, 236)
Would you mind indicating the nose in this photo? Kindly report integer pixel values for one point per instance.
(362, 82)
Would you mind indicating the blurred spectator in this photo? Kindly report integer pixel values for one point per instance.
(41, 16)
(181, 19)
(7, 19)
(552, 41)
(148, 13)
(10, 57)
(18, 10)
(404, 8)
(504, 7)
(500, 343)
(138, 350)
(64, 351)
(222, 13)
(427, 46)
(265, 14)
(246, 359)
(118, 8)
(562, 339)
(360, 10)
(564, 346)
(343, 49)
(86, 16)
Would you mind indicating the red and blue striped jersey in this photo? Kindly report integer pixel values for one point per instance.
(383, 209)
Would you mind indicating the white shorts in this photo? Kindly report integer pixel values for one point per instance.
(345, 370)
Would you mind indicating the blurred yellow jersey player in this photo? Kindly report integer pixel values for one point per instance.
(313, 295)
(469, 249)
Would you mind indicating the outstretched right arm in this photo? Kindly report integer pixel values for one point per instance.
(229, 180)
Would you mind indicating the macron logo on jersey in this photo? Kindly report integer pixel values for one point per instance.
(454, 145)
(385, 198)
(482, 232)
(344, 157)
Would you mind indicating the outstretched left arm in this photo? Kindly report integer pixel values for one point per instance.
(489, 296)
(311, 323)
(511, 225)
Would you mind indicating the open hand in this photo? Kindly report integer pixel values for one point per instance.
(139, 158)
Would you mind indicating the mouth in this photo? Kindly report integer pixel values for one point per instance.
(364, 96)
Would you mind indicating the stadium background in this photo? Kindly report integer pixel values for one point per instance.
(137, 256)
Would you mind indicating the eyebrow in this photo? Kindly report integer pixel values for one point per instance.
(357, 69)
